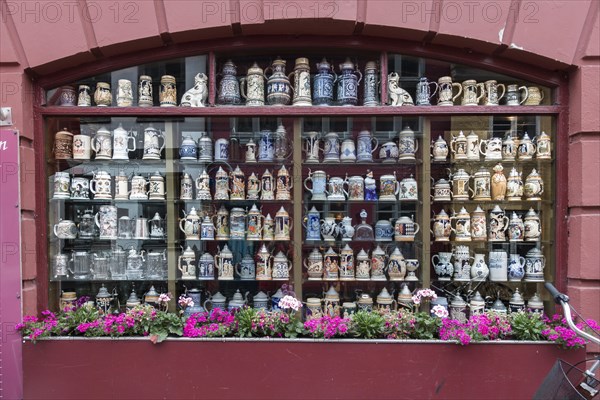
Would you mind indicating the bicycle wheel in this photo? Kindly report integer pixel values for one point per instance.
(560, 383)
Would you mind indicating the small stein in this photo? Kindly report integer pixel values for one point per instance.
(278, 84)
(491, 96)
(102, 95)
(513, 95)
(458, 146)
(124, 93)
(533, 226)
(543, 146)
(301, 81)
(442, 227)
(439, 150)
(526, 148)
(254, 81)
(62, 181)
(145, 91)
(446, 94)
(67, 96)
(472, 92)
(534, 186)
(63, 145)
(168, 91)
(535, 96)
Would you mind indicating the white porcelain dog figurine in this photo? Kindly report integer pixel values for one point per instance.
(398, 96)
(196, 96)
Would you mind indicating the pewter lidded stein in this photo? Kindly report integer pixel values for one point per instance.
(347, 84)
(424, 91)
(323, 84)
(371, 85)
(152, 146)
(301, 75)
(229, 89)
(278, 84)
(255, 83)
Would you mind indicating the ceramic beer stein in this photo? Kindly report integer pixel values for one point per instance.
(82, 147)
(329, 229)
(389, 153)
(424, 92)
(370, 187)
(278, 84)
(145, 91)
(481, 182)
(102, 95)
(499, 223)
(207, 229)
(121, 186)
(542, 141)
(473, 146)
(526, 148)
(363, 266)
(80, 188)
(314, 265)
(407, 145)
(139, 188)
(228, 92)
(462, 229)
(124, 93)
(498, 266)
(378, 264)
(121, 139)
(534, 186)
(167, 94)
(190, 224)
(253, 185)
(254, 224)
(186, 187)
(478, 225)
(188, 149)
(408, 189)
(311, 147)
(356, 188)
(442, 227)
(206, 267)
(348, 151)
(283, 225)
(62, 182)
(336, 190)
(222, 223)
(384, 230)
(347, 84)
(535, 96)
(237, 223)
(102, 144)
(84, 98)
(267, 186)
(152, 146)
(516, 228)
(442, 265)
(479, 269)
(266, 146)
(513, 95)
(157, 187)
(319, 181)
(186, 263)
(462, 263)
(255, 82)
(509, 148)
(157, 227)
(281, 267)
(346, 264)
(65, 229)
(205, 148)
(405, 229)
(514, 186)
(535, 262)
(250, 154)
(100, 185)
(238, 184)
(491, 96)
(264, 264)
(202, 184)
(470, 89)
(446, 95)
(396, 265)
(460, 185)
(366, 144)
(323, 83)
(301, 81)
(224, 264)
(246, 270)
(533, 226)
(493, 149)
(346, 229)
(106, 220)
(313, 225)
(389, 187)
(439, 149)
(458, 146)
(331, 150)
(284, 184)
(441, 190)
(222, 184)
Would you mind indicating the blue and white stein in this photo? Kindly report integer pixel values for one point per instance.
(313, 225)
(323, 84)
(384, 231)
(319, 180)
(424, 91)
(367, 144)
(222, 149)
(196, 296)
(370, 187)
(408, 145)
(206, 267)
(347, 84)
(331, 148)
(266, 146)
(188, 149)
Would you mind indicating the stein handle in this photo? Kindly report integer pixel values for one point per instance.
(237, 269)
(416, 145)
(134, 144)
(522, 261)
(482, 144)
(242, 86)
(541, 95)
(93, 186)
(207, 301)
(162, 136)
(460, 90)
(360, 76)
(376, 144)
(305, 263)
(305, 180)
(481, 87)
(526, 94)
(435, 90)
(471, 190)
(417, 228)
(55, 230)
(93, 144)
(181, 221)
(501, 85)
(265, 72)
(506, 221)
(397, 188)
(432, 259)
(97, 219)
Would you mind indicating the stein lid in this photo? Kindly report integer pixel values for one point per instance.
(472, 134)
(313, 301)
(534, 174)
(477, 210)
(542, 136)
(442, 214)
(133, 299)
(517, 298)
(463, 213)
(221, 173)
(497, 210)
(237, 299)
(255, 69)
(65, 131)
(120, 129)
(282, 212)
(407, 131)
(535, 302)
(283, 171)
(531, 214)
(515, 217)
(156, 217)
(278, 294)
(260, 296)
(218, 298)
(384, 297)
(397, 252)
(103, 293)
(525, 138)
(440, 139)
(267, 173)
(225, 250)
(206, 257)
(223, 210)
(331, 252)
(103, 131)
(204, 138)
(324, 64)
(457, 301)
(461, 173)
(188, 252)
(332, 294)
(254, 209)
(362, 254)
(514, 172)
(268, 217)
(378, 250)
(409, 179)
(68, 295)
(229, 63)
(124, 218)
(151, 295)
(193, 211)
(477, 300)
(365, 299)
(535, 252)
(499, 306)
(156, 175)
(237, 171)
(461, 135)
(371, 65)
(348, 64)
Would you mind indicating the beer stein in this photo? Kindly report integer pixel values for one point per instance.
(267, 186)
(462, 229)
(87, 225)
(312, 225)
(314, 265)
(331, 150)
(458, 146)
(407, 145)
(363, 266)
(63, 145)
(167, 94)
(301, 81)
(145, 91)
(102, 95)
(439, 149)
(121, 186)
(498, 225)
(152, 146)
(222, 224)
(206, 267)
(118, 264)
(202, 183)
(81, 262)
(65, 229)
(481, 181)
(516, 228)
(319, 181)
(509, 148)
(278, 84)
(224, 264)
(60, 266)
(311, 147)
(329, 229)
(462, 263)
(336, 190)
(534, 96)
(405, 229)
(250, 151)
(264, 264)
(498, 266)
(186, 263)
(331, 265)
(125, 227)
(100, 185)
(139, 188)
(106, 220)
(533, 227)
(491, 97)
(323, 84)
(190, 225)
(356, 190)
(441, 190)
(221, 185)
(442, 265)
(493, 149)
(389, 187)
(473, 146)
(121, 139)
(371, 85)
(100, 267)
(412, 264)
(446, 87)
(205, 148)
(156, 265)
(348, 151)
(102, 144)
(424, 93)
(82, 147)
(367, 144)
(513, 95)
(157, 227)
(268, 228)
(84, 98)
(460, 185)
(186, 187)
(282, 225)
(238, 184)
(514, 186)
(458, 309)
(228, 92)
(188, 149)
(534, 186)
(281, 267)
(62, 182)
(246, 270)
(470, 88)
(378, 264)
(478, 225)
(347, 84)
(124, 93)
(282, 148)
(253, 185)
(384, 230)
(396, 265)
(254, 224)
(237, 223)
(542, 141)
(526, 149)
(140, 228)
(516, 268)
(266, 146)
(389, 153)
(442, 227)
(284, 184)
(534, 265)
(255, 82)
(207, 229)
(408, 189)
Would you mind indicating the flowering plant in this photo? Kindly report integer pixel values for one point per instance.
(327, 327)
(214, 323)
(487, 326)
(288, 302)
(439, 311)
(557, 330)
(399, 325)
(423, 295)
(185, 302)
(163, 301)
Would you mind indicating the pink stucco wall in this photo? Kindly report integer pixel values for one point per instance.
(39, 38)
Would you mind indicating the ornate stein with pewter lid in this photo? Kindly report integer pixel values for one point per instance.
(439, 149)
(470, 88)
(301, 88)
(473, 146)
(255, 82)
(102, 144)
(458, 146)
(323, 84)
(408, 145)
(534, 186)
(462, 230)
(152, 145)
(446, 96)
(481, 180)
(284, 184)
(544, 146)
(526, 148)
(424, 93)
(371, 85)
(533, 227)
(278, 84)
(121, 139)
(347, 84)
(229, 87)
(498, 225)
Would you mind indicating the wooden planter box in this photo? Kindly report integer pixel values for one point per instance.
(81, 368)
